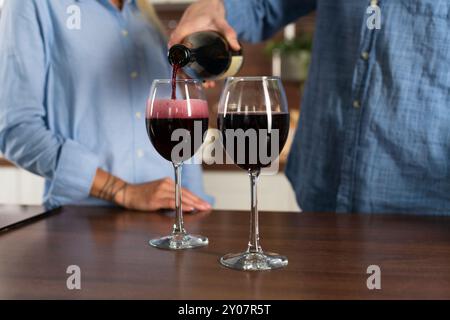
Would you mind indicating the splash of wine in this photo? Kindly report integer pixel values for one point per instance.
(176, 67)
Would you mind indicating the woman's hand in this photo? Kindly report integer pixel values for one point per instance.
(205, 15)
(151, 196)
(157, 195)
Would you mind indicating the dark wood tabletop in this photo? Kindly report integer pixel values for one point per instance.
(328, 256)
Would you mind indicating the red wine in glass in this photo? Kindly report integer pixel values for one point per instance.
(253, 113)
(170, 115)
(259, 122)
(176, 128)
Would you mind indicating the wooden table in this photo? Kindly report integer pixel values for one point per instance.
(328, 256)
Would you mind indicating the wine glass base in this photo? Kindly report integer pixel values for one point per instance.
(254, 261)
(179, 242)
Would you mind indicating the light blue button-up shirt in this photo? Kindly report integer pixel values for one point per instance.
(73, 100)
(374, 132)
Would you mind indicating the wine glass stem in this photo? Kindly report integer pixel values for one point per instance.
(253, 243)
(178, 227)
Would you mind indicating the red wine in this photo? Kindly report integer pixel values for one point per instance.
(256, 121)
(175, 69)
(206, 55)
(166, 116)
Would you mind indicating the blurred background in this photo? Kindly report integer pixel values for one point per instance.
(287, 55)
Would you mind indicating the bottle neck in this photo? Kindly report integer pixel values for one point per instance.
(179, 55)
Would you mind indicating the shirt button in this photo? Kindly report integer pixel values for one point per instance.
(365, 55)
(356, 104)
(140, 153)
(125, 33)
(134, 75)
(138, 115)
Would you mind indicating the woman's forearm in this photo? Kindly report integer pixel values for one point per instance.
(108, 187)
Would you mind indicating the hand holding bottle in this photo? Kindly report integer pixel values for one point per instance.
(205, 15)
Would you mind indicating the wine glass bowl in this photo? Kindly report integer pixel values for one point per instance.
(176, 128)
(253, 119)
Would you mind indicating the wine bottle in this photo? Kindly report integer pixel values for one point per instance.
(206, 55)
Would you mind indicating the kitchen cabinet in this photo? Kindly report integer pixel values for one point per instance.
(18, 186)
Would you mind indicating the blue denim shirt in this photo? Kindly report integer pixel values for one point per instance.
(73, 100)
(374, 132)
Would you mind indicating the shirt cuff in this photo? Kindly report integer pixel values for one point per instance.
(74, 175)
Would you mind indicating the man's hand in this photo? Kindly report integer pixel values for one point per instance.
(205, 15)
(157, 195)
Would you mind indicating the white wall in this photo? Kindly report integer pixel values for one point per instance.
(231, 190)
(20, 187)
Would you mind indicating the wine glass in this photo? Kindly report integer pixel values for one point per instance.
(177, 120)
(253, 119)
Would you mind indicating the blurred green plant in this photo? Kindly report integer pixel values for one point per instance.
(303, 42)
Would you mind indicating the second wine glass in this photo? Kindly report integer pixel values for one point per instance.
(172, 121)
(254, 122)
